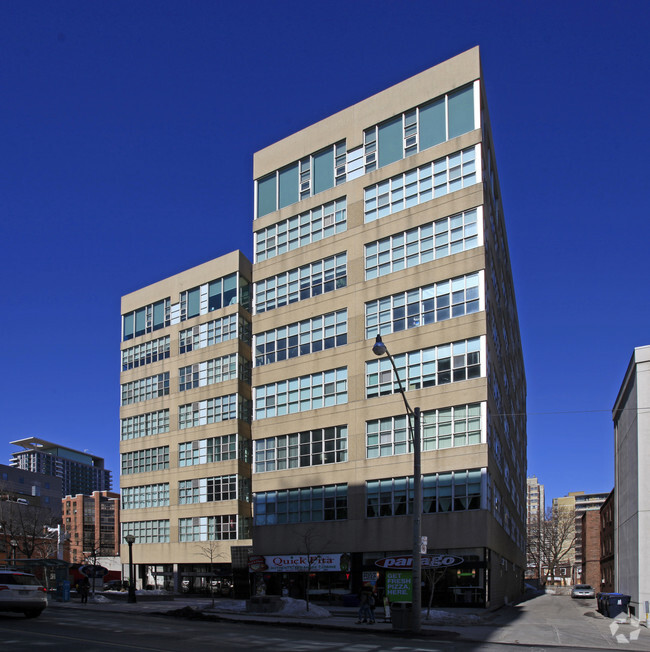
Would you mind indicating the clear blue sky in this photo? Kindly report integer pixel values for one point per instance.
(127, 134)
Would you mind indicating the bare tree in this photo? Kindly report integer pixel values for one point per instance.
(210, 550)
(551, 540)
(309, 546)
(27, 526)
(432, 575)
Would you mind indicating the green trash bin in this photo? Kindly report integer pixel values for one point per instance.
(401, 616)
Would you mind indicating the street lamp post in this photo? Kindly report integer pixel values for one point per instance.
(130, 539)
(380, 349)
(14, 546)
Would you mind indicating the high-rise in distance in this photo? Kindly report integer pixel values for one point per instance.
(383, 219)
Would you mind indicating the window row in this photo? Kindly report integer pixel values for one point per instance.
(137, 356)
(310, 448)
(418, 129)
(311, 226)
(213, 371)
(145, 425)
(443, 428)
(214, 528)
(145, 389)
(218, 488)
(441, 492)
(213, 410)
(147, 531)
(301, 338)
(150, 495)
(148, 459)
(206, 451)
(422, 244)
(422, 184)
(427, 305)
(213, 332)
(304, 505)
(323, 389)
(201, 300)
(301, 283)
(309, 176)
(204, 528)
(437, 365)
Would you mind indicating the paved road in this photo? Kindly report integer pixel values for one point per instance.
(544, 623)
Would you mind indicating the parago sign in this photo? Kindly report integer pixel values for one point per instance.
(428, 561)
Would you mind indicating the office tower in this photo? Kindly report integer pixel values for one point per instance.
(386, 219)
(185, 432)
(80, 472)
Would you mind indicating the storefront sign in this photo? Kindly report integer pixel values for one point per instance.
(297, 563)
(428, 561)
(399, 586)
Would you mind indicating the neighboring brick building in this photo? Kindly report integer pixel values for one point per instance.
(607, 531)
(590, 527)
(93, 523)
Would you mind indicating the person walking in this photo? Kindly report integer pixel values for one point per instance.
(365, 612)
(84, 589)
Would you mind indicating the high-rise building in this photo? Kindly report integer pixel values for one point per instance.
(535, 499)
(185, 422)
(632, 496)
(80, 472)
(27, 488)
(92, 524)
(577, 503)
(386, 219)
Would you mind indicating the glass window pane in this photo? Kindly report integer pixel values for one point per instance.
(266, 196)
(390, 141)
(461, 111)
(432, 124)
(288, 185)
(323, 170)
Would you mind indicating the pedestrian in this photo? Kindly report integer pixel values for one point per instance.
(84, 589)
(365, 612)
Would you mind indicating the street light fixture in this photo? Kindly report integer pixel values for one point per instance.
(130, 539)
(380, 349)
(14, 546)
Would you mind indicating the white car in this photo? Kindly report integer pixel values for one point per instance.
(22, 592)
(583, 591)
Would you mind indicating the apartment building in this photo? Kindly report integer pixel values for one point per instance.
(92, 526)
(185, 441)
(386, 219)
(80, 472)
(577, 503)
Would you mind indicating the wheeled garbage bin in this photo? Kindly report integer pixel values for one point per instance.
(616, 604)
(401, 616)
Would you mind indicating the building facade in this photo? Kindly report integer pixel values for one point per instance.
(591, 549)
(79, 472)
(92, 526)
(577, 503)
(632, 496)
(185, 443)
(535, 514)
(28, 488)
(607, 538)
(386, 219)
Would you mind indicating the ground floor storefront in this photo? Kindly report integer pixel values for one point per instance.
(469, 577)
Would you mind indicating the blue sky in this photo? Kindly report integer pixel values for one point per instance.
(128, 130)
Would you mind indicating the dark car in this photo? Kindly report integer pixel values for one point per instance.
(583, 591)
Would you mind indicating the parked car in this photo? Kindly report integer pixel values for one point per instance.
(22, 593)
(114, 585)
(583, 591)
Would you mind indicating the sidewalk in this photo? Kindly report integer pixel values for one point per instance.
(537, 622)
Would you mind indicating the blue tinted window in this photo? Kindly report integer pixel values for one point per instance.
(432, 124)
(323, 170)
(266, 196)
(461, 111)
(390, 141)
(288, 185)
(193, 302)
(140, 321)
(127, 326)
